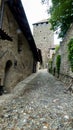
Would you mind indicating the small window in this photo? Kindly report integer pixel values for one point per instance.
(19, 44)
(46, 22)
(41, 23)
(36, 24)
(53, 48)
(15, 63)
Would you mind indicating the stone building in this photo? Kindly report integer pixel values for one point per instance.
(18, 52)
(44, 39)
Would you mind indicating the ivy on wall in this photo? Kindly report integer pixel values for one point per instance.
(70, 53)
(50, 65)
(57, 48)
(58, 62)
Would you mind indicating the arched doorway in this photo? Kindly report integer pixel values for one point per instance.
(8, 66)
(7, 74)
(1, 88)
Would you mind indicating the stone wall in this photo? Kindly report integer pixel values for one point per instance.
(66, 75)
(16, 57)
(65, 64)
(44, 39)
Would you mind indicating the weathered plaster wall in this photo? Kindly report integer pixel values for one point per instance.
(21, 61)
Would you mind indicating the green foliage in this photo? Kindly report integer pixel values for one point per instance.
(61, 16)
(58, 62)
(70, 53)
(57, 48)
(50, 65)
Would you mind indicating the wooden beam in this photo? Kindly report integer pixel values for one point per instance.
(4, 36)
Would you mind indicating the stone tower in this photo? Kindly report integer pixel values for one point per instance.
(44, 39)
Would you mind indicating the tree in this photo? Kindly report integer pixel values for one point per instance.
(44, 1)
(61, 16)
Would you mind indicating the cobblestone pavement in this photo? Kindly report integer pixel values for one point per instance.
(41, 105)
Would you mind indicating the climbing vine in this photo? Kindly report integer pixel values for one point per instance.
(70, 53)
(58, 62)
(57, 48)
(50, 65)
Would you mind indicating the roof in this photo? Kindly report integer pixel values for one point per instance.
(4, 35)
(18, 12)
(41, 22)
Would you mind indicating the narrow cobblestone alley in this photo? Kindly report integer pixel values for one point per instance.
(42, 105)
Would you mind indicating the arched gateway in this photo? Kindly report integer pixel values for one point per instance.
(7, 73)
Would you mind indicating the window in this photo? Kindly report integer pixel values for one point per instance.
(15, 63)
(36, 24)
(46, 22)
(19, 43)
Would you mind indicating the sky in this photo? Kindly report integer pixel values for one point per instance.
(36, 12)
